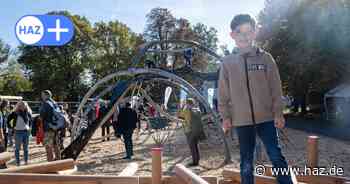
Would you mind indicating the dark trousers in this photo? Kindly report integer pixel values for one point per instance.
(105, 129)
(127, 136)
(193, 144)
(268, 134)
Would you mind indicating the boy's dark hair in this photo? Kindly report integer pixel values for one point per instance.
(242, 19)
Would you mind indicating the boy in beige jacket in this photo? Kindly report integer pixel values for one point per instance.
(250, 98)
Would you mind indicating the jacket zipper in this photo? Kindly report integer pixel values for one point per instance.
(245, 56)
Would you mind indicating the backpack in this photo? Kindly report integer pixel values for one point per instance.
(58, 117)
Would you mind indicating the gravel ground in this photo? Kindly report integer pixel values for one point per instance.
(104, 158)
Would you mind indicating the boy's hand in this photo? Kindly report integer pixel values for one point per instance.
(280, 122)
(226, 125)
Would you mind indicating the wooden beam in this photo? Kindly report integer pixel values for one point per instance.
(25, 178)
(234, 176)
(226, 181)
(188, 176)
(148, 180)
(312, 151)
(5, 157)
(42, 168)
(68, 172)
(175, 180)
(129, 170)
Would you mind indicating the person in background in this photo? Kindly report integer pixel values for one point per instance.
(3, 130)
(4, 112)
(105, 128)
(62, 132)
(193, 129)
(127, 119)
(22, 120)
(10, 131)
(51, 141)
(115, 122)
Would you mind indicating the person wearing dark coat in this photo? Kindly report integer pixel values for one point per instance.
(126, 124)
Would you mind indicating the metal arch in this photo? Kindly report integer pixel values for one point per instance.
(172, 78)
(137, 71)
(144, 48)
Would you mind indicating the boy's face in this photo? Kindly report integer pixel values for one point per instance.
(244, 35)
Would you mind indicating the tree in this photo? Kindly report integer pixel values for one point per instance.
(13, 81)
(4, 51)
(308, 40)
(115, 45)
(160, 26)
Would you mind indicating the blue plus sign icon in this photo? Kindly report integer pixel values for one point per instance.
(44, 30)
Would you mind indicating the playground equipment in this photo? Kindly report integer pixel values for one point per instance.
(124, 84)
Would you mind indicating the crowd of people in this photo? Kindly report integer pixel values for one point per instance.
(17, 123)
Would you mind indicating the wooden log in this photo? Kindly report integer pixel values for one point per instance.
(42, 168)
(226, 181)
(187, 175)
(129, 170)
(156, 165)
(234, 175)
(25, 178)
(5, 157)
(68, 172)
(312, 151)
(148, 180)
(175, 180)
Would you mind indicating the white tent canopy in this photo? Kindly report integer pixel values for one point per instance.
(342, 91)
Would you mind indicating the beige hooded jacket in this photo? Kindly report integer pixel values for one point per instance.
(249, 89)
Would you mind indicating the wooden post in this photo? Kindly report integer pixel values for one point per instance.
(42, 168)
(188, 176)
(312, 151)
(5, 157)
(156, 165)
